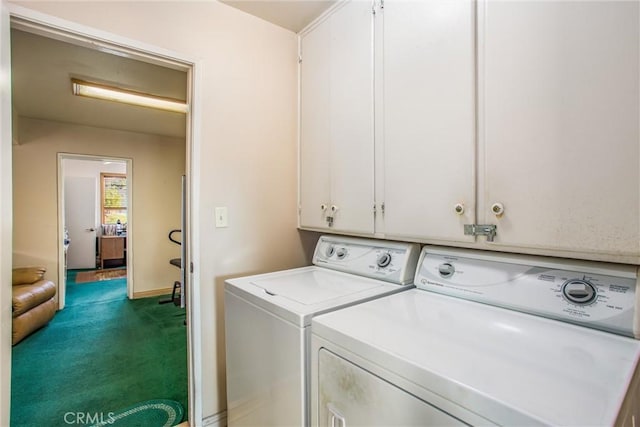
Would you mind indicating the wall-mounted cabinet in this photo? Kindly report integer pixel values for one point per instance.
(523, 115)
(428, 116)
(559, 124)
(336, 122)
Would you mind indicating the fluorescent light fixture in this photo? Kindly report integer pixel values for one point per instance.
(100, 91)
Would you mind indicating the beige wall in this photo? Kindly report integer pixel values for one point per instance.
(248, 142)
(158, 163)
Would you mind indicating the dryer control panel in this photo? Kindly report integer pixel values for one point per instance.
(379, 259)
(593, 294)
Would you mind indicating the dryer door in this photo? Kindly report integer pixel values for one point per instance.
(351, 396)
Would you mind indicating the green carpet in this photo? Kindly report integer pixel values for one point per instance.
(101, 354)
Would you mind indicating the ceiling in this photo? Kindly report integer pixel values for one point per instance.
(293, 15)
(41, 82)
(42, 69)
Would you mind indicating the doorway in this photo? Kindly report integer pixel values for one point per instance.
(83, 220)
(97, 40)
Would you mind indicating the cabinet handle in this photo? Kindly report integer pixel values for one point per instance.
(459, 208)
(497, 209)
(323, 207)
(334, 208)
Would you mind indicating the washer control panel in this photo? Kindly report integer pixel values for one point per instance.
(390, 261)
(593, 294)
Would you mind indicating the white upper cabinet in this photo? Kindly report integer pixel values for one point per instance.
(428, 116)
(336, 122)
(520, 114)
(559, 126)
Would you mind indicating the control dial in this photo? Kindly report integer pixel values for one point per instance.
(330, 251)
(341, 253)
(384, 260)
(579, 291)
(446, 269)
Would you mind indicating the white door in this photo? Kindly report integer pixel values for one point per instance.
(560, 126)
(429, 119)
(80, 219)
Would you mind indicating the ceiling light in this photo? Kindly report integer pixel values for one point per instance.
(99, 91)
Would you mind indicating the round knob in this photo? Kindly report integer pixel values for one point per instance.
(446, 270)
(334, 208)
(497, 209)
(459, 208)
(579, 291)
(323, 207)
(384, 260)
(330, 251)
(341, 253)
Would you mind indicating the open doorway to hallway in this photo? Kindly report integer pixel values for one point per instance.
(157, 158)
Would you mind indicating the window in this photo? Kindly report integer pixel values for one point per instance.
(114, 198)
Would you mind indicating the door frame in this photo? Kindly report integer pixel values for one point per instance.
(53, 27)
(62, 279)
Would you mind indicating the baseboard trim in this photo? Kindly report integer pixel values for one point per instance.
(152, 293)
(217, 420)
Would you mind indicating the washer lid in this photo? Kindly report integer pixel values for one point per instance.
(508, 367)
(297, 295)
(312, 287)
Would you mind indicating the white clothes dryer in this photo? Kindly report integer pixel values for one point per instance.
(268, 320)
(485, 339)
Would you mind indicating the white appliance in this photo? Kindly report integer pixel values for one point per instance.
(268, 318)
(485, 339)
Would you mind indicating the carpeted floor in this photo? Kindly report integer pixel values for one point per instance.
(100, 354)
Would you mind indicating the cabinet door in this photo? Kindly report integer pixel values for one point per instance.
(336, 134)
(560, 124)
(315, 129)
(112, 248)
(429, 118)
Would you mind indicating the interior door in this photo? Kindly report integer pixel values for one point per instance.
(80, 218)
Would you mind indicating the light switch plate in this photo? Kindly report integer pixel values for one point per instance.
(222, 219)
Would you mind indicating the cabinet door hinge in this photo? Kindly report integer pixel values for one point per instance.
(299, 59)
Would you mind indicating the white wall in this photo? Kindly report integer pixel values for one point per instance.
(158, 164)
(248, 137)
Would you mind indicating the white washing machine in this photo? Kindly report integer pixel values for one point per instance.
(485, 339)
(268, 318)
